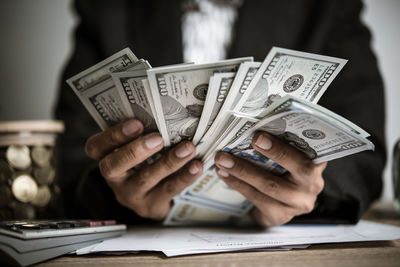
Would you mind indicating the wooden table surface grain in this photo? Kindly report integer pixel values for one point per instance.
(374, 254)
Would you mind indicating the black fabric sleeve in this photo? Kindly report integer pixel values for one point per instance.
(105, 27)
(84, 193)
(353, 182)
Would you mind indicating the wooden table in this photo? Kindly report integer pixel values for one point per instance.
(376, 254)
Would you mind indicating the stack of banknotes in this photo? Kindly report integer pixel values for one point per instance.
(219, 106)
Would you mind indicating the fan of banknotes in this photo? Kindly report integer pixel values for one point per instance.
(219, 106)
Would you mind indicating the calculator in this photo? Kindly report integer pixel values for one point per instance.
(23, 243)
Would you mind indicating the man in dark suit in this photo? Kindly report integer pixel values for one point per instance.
(105, 187)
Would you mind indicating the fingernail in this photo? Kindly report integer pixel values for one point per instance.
(223, 173)
(263, 142)
(226, 162)
(182, 151)
(153, 141)
(130, 127)
(193, 169)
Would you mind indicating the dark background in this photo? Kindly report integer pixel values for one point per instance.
(36, 41)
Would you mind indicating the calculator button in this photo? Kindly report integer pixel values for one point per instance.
(60, 225)
(95, 223)
(79, 223)
(109, 222)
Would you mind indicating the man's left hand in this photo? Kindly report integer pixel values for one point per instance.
(276, 199)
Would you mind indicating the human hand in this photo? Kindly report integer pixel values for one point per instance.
(276, 199)
(149, 190)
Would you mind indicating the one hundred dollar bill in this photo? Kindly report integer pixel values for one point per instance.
(134, 97)
(209, 190)
(219, 87)
(289, 72)
(244, 76)
(276, 108)
(316, 134)
(96, 90)
(189, 213)
(219, 142)
(146, 87)
(179, 93)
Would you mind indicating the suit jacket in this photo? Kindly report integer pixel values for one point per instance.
(152, 29)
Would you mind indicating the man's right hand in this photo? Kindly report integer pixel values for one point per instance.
(149, 190)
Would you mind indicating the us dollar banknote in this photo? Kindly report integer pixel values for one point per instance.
(320, 137)
(316, 133)
(134, 97)
(300, 105)
(189, 213)
(210, 191)
(97, 92)
(179, 93)
(146, 87)
(219, 87)
(244, 76)
(289, 72)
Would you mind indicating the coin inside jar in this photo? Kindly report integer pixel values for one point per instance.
(45, 175)
(18, 157)
(24, 188)
(43, 196)
(41, 156)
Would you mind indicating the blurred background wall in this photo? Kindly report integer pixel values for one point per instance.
(36, 41)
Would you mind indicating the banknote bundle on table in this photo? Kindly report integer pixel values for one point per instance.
(219, 106)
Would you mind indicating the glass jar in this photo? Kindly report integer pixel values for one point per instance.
(27, 169)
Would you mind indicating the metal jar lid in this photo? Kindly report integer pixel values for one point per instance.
(32, 132)
(47, 126)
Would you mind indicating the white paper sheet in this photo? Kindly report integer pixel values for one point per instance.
(194, 240)
(171, 253)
